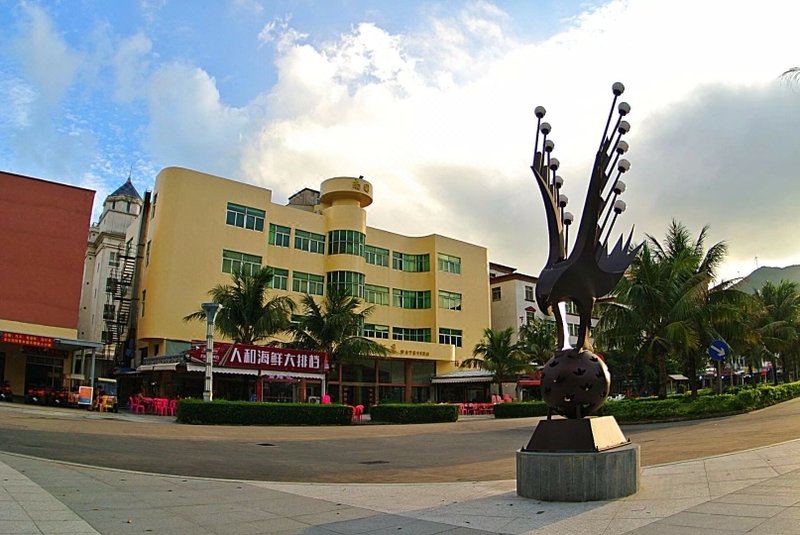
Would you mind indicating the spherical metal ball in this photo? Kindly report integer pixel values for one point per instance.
(575, 383)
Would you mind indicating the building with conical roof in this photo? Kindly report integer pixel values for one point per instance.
(103, 263)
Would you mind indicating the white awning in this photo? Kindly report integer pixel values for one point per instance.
(162, 367)
(464, 376)
(191, 367)
(678, 377)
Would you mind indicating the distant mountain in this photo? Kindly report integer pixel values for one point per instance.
(756, 279)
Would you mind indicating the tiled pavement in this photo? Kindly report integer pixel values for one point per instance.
(756, 491)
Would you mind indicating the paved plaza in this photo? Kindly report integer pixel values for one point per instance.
(752, 491)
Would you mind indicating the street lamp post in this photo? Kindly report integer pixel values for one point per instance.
(211, 310)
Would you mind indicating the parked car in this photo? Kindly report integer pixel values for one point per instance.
(6, 394)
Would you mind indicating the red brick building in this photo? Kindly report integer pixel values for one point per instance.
(43, 229)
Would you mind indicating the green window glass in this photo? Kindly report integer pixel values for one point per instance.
(280, 278)
(234, 262)
(377, 295)
(415, 263)
(279, 235)
(449, 264)
(376, 331)
(411, 298)
(411, 335)
(350, 281)
(245, 217)
(450, 336)
(346, 242)
(449, 300)
(309, 241)
(376, 256)
(308, 283)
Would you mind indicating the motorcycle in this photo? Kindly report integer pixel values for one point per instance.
(6, 394)
(35, 394)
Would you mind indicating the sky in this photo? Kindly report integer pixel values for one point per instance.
(430, 101)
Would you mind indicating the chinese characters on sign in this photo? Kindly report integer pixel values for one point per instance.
(263, 357)
(27, 340)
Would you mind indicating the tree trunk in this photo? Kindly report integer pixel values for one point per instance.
(662, 376)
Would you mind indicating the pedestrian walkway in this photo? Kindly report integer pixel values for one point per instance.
(756, 491)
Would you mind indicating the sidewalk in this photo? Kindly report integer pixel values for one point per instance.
(756, 491)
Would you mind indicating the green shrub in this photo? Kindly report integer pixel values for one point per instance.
(413, 413)
(194, 411)
(524, 409)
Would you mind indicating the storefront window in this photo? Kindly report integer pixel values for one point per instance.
(359, 373)
(391, 371)
(421, 372)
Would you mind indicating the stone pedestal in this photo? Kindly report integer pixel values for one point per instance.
(577, 460)
(579, 477)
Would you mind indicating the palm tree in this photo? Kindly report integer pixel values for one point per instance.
(779, 325)
(247, 316)
(499, 356)
(537, 338)
(335, 326)
(662, 298)
(791, 76)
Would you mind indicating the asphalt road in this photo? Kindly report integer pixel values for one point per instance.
(478, 448)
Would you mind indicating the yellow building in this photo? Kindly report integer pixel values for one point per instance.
(431, 293)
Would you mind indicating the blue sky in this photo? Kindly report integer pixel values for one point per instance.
(431, 101)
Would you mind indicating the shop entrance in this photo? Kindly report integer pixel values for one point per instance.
(44, 371)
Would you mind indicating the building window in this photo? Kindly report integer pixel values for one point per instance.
(279, 235)
(153, 206)
(280, 278)
(450, 336)
(529, 316)
(236, 262)
(346, 242)
(411, 335)
(449, 300)
(415, 263)
(496, 294)
(113, 259)
(411, 298)
(449, 264)
(308, 283)
(376, 256)
(573, 328)
(571, 308)
(245, 217)
(309, 241)
(349, 281)
(377, 295)
(109, 312)
(529, 294)
(144, 297)
(376, 331)
(147, 254)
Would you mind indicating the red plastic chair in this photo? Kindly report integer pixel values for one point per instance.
(172, 410)
(326, 399)
(358, 412)
(135, 406)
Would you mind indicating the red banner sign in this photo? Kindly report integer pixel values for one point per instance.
(27, 340)
(262, 357)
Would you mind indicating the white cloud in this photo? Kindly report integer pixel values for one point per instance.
(47, 59)
(441, 120)
(131, 66)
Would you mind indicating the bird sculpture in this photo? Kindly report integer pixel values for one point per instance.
(575, 382)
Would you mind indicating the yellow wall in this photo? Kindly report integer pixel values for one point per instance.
(188, 234)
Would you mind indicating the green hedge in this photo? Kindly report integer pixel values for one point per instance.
(413, 413)
(676, 407)
(524, 409)
(195, 411)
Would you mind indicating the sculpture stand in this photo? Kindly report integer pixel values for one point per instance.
(576, 460)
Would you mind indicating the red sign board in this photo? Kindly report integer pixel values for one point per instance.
(262, 357)
(27, 340)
